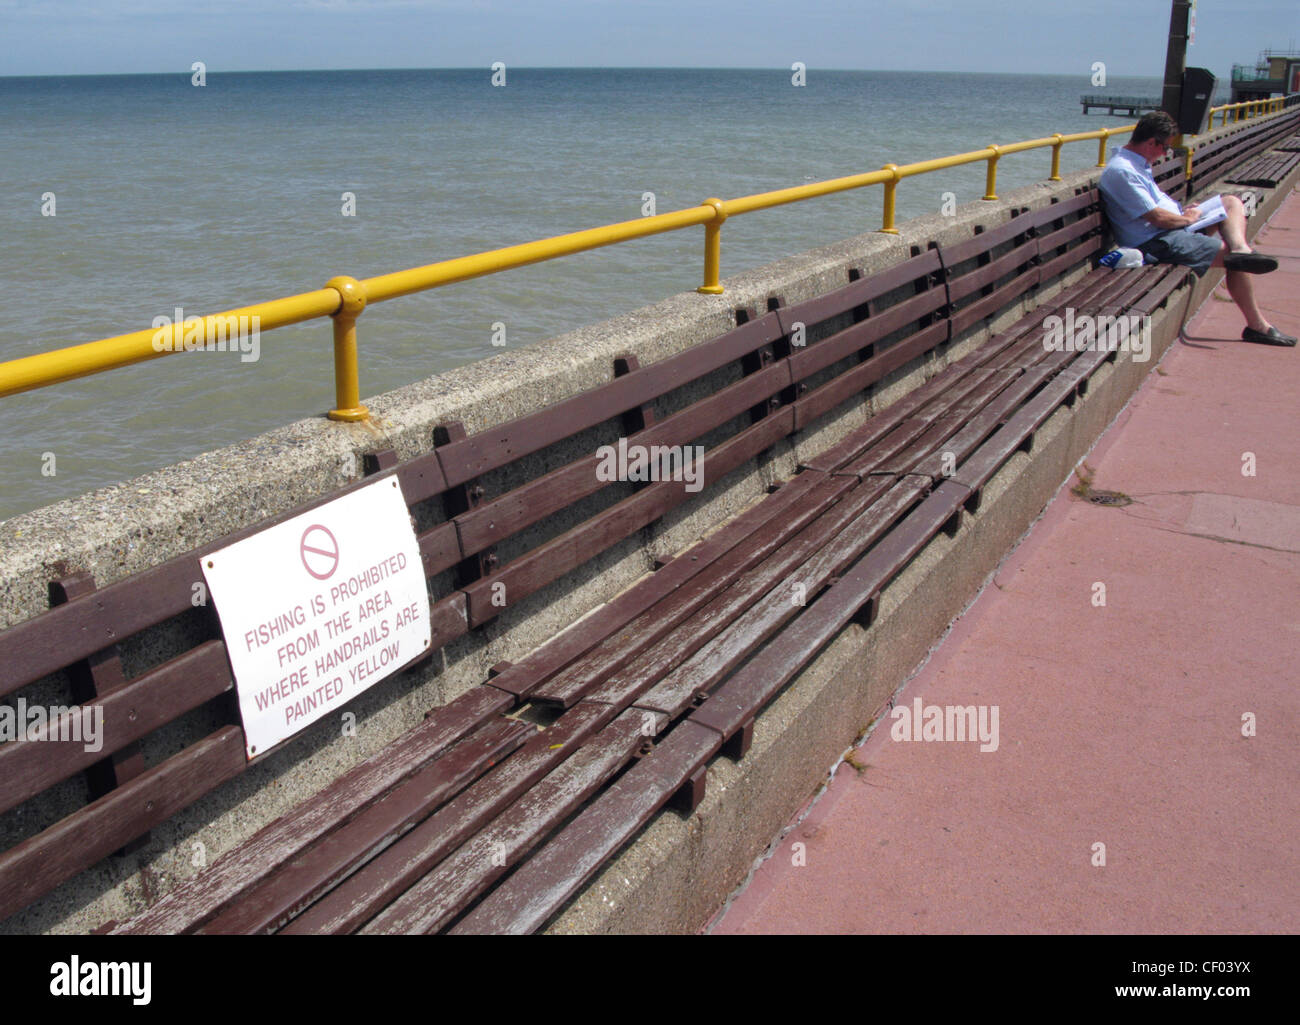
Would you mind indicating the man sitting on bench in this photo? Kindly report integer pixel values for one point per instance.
(1145, 218)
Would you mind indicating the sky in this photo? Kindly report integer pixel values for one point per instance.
(67, 37)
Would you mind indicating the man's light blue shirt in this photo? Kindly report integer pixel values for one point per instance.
(1130, 191)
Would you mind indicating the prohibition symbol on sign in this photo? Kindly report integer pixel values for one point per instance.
(320, 551)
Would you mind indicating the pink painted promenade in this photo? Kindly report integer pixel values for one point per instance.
(1118, 724)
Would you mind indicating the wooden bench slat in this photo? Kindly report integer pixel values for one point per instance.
(542, 885)
(421, 478)
(741, 697)
(976, 471)
(37, 865)
(501, 445)
(984, 422)
(1266, 171)
(1156, 296)
(530, 503)
(608, 658)
(144, 704)
(727, 649)
(1074, 230)
(375, 885)
(993, 303)
(719, 611)
(438, 897)
(561, 651)
(823, 399)
(197, 898)
(933, 438)
(960, 286)
(958, 253)
(448, 619)
(440, 548)
(880, 456)
(550, 561)
(844, 343)
(858, 293)
(882, 423)
(979, 398)
(1065, 262)
(1056, 211)
(299, 881)
(1134, 282)
(884, 450)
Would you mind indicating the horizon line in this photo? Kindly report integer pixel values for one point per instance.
(187, 71)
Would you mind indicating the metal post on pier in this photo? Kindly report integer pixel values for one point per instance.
(1171, 99)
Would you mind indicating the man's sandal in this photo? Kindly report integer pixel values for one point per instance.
(1251, 263)
(1270, 337)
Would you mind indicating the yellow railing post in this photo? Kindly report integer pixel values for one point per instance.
(1101, 147)
(347, 388)
(891, 188)
(713, 248)
(1056, 157)
(991, 179)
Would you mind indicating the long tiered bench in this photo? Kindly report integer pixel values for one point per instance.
(477, 819)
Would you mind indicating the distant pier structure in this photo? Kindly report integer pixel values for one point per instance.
(1128, 105)
(1274, 73)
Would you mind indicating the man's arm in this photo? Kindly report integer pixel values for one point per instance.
(1167, 220)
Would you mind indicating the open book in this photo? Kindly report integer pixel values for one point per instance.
(1212, 212)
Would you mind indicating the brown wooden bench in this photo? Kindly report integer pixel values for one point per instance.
(412, 837)
(981, 409)
(1211, 159)
(1267, 170)
(663, 673)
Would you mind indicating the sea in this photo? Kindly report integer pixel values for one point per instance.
(126, 198)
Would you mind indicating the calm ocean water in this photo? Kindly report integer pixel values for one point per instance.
(168, 195)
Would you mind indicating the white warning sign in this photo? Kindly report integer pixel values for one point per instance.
(318, 608)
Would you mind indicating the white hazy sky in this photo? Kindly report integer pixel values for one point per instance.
(42, 37)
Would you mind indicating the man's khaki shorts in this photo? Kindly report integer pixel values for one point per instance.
(1183, 247)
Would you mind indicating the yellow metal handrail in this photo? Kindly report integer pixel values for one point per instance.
(1250, 108)
(344, 298)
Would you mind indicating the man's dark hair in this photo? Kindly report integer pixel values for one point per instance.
(1156, 125)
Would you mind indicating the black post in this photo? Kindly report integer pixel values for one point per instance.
(1176, 58)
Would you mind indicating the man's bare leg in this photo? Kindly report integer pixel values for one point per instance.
(1232, 232)
(1233, 228)
(1242, 290)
